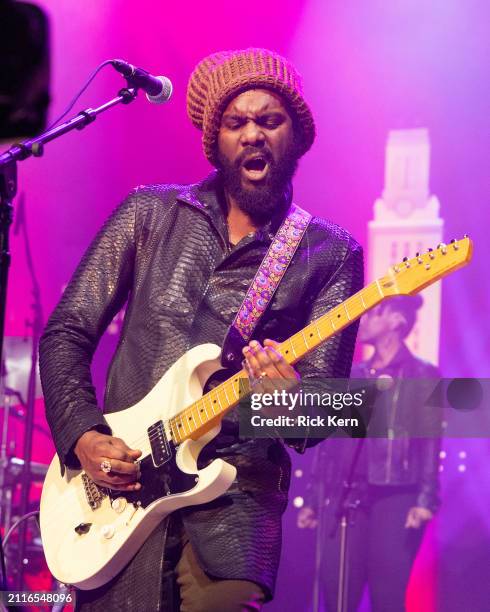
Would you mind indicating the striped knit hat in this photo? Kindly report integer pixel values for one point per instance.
(220, 77)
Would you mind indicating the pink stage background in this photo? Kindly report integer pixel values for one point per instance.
(368, 66)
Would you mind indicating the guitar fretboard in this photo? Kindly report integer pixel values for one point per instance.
(197, 418)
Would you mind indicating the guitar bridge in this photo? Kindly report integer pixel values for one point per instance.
(93, 493)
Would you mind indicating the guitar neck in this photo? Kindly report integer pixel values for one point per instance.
(208, 410)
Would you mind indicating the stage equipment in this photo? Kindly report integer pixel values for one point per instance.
(348, 503)
(15, 371)
(24, 69)
(17, 366)
(158, 88)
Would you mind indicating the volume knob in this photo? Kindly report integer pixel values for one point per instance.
(119, 504)
(108, 531)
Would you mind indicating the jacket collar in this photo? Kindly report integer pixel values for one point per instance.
(401, 358)
(205, 197)
(202, 195)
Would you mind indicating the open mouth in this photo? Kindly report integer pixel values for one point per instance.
(255, 168)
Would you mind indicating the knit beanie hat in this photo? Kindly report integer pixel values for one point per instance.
(220, 77)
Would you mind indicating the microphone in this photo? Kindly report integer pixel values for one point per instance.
(158, 88)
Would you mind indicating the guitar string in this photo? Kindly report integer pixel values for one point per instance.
(300, 342)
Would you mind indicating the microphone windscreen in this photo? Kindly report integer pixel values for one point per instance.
(165, 94)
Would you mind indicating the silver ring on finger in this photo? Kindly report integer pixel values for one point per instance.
(106, 466)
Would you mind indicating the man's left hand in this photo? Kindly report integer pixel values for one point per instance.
(417, 516)
(267, 368)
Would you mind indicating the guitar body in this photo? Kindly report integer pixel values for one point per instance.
(89, 534)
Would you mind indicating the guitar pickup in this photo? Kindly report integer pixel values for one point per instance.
(93, 493)
(160, 448)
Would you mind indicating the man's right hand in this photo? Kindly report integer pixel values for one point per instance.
(307, 518)
(92, 448)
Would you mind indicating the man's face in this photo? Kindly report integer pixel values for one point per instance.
(377, 323)
(256, 150)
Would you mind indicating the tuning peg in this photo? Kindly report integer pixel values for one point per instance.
(452, 240)
(419, 259)
(431, 253)
(396, 269)
(405, 259)
(443, 247)
(466, 236)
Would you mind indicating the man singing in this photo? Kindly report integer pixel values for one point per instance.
(182, 257)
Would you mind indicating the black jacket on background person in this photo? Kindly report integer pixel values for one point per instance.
(403, 436)
(165, 253)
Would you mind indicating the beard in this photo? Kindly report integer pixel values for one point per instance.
(261, 201)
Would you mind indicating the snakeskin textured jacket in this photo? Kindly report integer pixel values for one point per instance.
(165, 253)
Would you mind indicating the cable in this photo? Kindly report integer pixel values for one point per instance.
(3, 545)
(16, 524)
(73, 102)
(3, 582)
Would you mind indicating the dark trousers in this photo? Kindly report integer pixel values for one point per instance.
(185, 587)
(381, 550)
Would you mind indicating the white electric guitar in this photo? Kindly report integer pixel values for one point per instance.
(89, 533)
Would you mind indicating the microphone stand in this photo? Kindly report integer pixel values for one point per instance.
(8, 180)
(8, 189)
(319, 544)
(344, 518)
(37, 328)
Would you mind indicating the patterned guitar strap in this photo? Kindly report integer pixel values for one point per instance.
(264, 284)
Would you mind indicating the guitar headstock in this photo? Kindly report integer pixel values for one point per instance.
(412, 275)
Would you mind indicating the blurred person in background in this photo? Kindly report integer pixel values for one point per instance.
(395, 479)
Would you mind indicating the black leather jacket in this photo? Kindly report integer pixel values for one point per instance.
(165, 252)
(403, 443)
